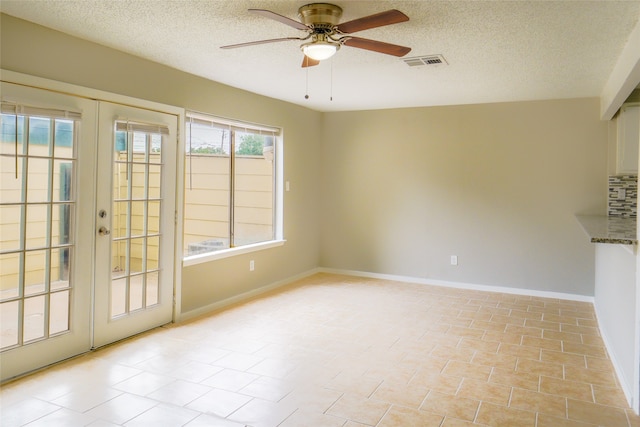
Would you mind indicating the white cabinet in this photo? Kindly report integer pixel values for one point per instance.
(628, 139)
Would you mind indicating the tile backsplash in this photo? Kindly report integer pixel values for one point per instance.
(623, 195)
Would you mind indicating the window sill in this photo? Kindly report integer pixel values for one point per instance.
(226, 253)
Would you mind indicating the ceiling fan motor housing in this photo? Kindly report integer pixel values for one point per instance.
(320, 14)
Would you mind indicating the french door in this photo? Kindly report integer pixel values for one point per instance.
(134, 221)
(86, 224)
(46, 168)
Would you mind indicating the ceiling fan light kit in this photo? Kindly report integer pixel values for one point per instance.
(321, 23)
(320, 50)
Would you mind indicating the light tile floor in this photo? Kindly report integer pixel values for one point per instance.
(343, 351)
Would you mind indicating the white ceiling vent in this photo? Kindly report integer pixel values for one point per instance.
(416, 61)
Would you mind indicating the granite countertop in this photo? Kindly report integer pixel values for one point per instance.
(609, 229)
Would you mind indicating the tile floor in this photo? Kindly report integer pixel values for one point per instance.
(343, 351)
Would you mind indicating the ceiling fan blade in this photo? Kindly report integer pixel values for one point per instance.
(308, 62)
(376, 46)
(284, 39)
(283, 19)
(389, 17)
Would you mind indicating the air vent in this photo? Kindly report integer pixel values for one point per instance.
(417, 61)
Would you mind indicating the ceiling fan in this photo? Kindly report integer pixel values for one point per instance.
(321, 23)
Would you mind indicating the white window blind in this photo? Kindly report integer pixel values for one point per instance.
(123, 126)
(51, 113)
(228, 124)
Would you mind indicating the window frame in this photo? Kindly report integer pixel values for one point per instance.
(278, 188)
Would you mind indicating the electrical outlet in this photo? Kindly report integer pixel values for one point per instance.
(252, 265)
(454, 259)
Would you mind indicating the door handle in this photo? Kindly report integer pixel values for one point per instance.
(103, 231)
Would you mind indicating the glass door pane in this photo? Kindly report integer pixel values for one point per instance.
(37, 208)
(136, 186)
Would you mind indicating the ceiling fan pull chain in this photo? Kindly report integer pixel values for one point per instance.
(306, 96)
(331, 82)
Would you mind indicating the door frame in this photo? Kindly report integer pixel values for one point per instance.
(27, 80)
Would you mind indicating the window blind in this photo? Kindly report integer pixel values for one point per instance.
(51, 113)
(228, 124)
(123, 126)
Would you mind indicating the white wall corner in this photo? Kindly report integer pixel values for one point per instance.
(624, 384)
(624, 77)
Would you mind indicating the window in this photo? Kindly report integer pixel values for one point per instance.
(231, 185)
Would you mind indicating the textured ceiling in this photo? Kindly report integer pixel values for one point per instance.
(496, 50)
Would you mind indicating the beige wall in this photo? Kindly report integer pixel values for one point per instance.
(497, 185)
(393, 191)
(64, 58)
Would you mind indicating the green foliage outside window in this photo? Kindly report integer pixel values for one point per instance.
(250, 145)
(208, 150)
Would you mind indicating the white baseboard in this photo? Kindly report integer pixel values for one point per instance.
(461, 285)
(458, 285)
(243, 296)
